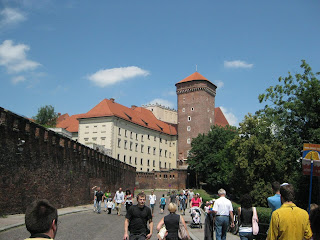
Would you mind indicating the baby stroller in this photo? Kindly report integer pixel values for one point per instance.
(196, 217)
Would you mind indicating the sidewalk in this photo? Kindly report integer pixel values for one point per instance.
(17, 220)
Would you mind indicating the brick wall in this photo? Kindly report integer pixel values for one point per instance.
(51, 166)
(171, 179)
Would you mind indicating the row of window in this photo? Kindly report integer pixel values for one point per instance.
(165, 176)
(142, 136)
(136, 147)
(183, 109)
(130, 161)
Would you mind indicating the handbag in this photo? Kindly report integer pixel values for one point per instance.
(255, 225)
(162, 232)
(182, 232)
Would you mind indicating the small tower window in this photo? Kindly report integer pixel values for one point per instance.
(189, 118)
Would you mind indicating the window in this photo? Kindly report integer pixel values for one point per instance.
(188, 128)
(118, 156)
(165, 153)
(188, 140)
(125, 144)
(136, 147)
(148, 149)
(161, 140)
(86, 139)
(119, 133)
(166, 141)
(160, 152)
(141, 161)
(141, 138)
(141, 148)
(154, 163)
(192, 109)
(148, 164)
(148, 137)
(189, 118)
(169, 165)
(131, 135)
(210, 120)
(147, 169)
(130, 146)
(124, 158)
(183, 109)
(165, 165)
(135, 160)
(136, 136)
(155, 138)
(119, 141)
(169, 154)
(154, 151)
(160, 165)
(130, 160)
(125, 133)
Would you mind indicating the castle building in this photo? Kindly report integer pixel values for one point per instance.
(152, 138)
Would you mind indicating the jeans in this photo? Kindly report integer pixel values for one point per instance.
(246, 235)
(221, 223)
(99, 206)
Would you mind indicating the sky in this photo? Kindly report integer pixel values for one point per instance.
(72, 54)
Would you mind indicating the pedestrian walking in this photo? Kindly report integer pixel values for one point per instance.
(128, 199)
(98, 198)
(152, 200)
(110, 205)
(245, 214)
(172, 224)
(137, 218)
(94, 188)
(163, 202)
(119, 200)
(274, 202)
(105, 199)
(223, 210)
(182, 203)
(289, 221)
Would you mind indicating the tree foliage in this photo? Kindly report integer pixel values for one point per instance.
(46, 116)
(210, 156)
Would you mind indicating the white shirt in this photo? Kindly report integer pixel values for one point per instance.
(191, 195)
(119, 197)
(152, 199)
(222, 206)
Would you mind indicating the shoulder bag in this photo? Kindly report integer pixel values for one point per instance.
(255, 225)
(182, 233)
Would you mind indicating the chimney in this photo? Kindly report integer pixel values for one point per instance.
(112, 100)
(133, 106)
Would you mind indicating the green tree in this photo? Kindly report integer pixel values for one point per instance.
(294, 110)
(259, 159)
(210, 155)
(46, 116)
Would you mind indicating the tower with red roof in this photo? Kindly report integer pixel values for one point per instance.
(196, 111)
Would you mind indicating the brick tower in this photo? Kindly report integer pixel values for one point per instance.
(196, 104)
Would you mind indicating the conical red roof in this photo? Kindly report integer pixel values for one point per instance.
(194, 76)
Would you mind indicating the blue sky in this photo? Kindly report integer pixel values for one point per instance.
(72, 54)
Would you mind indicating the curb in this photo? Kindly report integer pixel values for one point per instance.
(2, 229)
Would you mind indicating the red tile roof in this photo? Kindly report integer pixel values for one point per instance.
(71, 124)
(219, 118)
(193, 77)
(137, 115)
(62, 117)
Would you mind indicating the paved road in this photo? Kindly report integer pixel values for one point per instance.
(87, 226)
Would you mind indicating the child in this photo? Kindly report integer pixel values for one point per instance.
(195, 216)
(109, 205)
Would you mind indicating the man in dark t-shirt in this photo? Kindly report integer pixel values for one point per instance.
(98, 198)
(136, 221)
(173, 197)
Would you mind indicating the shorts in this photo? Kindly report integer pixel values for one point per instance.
(152, 206)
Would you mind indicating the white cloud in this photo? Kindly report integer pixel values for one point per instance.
(111, 76)
(11, 16)
(219, 84)
(14, 58)
(237, 64)
(232, 119)
(162, 102)
(18, 79)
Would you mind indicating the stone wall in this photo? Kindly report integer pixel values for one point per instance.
(171, 179)
(36, 163)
